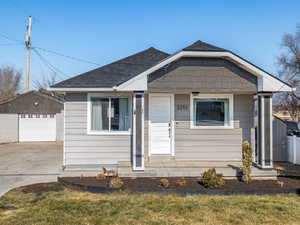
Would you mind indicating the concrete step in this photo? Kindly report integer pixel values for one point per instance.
(160, 158)
(228, 172)
(173, 172)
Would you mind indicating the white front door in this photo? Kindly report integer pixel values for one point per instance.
(161, 112)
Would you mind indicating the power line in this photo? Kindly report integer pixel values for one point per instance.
(51, 66)
(67, 56)
(10, 44)
(10, 39)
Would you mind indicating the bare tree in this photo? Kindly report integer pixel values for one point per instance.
(289, 60)
(289, 70)
(9, 81)
(46, 81)
(289, 102)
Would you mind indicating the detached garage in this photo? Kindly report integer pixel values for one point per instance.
(33, 116)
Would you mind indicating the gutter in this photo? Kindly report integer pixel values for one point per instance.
(81, 89)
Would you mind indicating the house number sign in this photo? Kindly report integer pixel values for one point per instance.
(182, 107)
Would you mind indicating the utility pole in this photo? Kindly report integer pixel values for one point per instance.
(28, 47)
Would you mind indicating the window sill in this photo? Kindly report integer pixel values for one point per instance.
(108, 133)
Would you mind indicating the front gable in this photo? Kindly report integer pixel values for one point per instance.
(209, 75)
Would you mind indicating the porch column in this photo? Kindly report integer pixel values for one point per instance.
(264, 131)
(138, 131)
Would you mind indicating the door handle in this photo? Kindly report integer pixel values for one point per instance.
(169, 130)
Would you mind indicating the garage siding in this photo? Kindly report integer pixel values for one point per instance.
(9, 128)
(82, 149)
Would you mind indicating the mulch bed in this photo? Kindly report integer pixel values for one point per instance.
(290, 185)
(286, 169)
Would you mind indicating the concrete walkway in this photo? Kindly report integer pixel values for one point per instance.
(28, 163)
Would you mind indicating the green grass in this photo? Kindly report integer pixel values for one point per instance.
(55, 205)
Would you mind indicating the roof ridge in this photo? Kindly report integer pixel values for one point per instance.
(203, 46)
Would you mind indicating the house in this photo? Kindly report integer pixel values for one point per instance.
(282, 112)
(156, 114)
(32, 116)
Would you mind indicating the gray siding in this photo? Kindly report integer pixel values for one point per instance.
(279, 140)
(83, 149)
(209, 144)
(190, 144)
(9, 128)
(244, 115)
(205, 75)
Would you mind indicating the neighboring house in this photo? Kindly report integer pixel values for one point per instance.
(153, 112)
(32, 116)
(281, 112)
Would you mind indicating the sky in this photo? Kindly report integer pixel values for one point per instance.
(101, 31)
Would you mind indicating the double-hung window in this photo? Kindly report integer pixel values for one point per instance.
(109, 114)
(211, 111)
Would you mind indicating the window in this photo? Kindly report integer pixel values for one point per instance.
(211, 111)
(109, 114)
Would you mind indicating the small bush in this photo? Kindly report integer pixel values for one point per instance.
(212, 179)
(247, 162)
(181, 182)
(280, 183)
(100, 176)
(164, 182)
(116, 182)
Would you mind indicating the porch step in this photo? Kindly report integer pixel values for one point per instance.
(172, 172)
(160, 158)
(191, 169)
(191, 164)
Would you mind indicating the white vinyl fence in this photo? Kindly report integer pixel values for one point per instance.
(293, 149)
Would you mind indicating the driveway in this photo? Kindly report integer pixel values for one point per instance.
(27, 163)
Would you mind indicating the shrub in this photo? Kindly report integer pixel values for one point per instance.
(280, 183)
(100, 176)
(164, 182)
(212, 179)
(181, 182)
(247, 162)
(116, 182)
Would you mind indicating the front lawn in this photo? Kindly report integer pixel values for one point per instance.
(53, 204)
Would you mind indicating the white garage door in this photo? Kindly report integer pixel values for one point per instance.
(37, 127)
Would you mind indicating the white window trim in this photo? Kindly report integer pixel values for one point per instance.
(107, 95)
(231, 104)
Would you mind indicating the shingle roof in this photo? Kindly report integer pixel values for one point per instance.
(203, 46)
(117, 72)
(123, 70)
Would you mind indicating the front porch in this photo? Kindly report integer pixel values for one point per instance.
(166, 144)
(169, 167)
